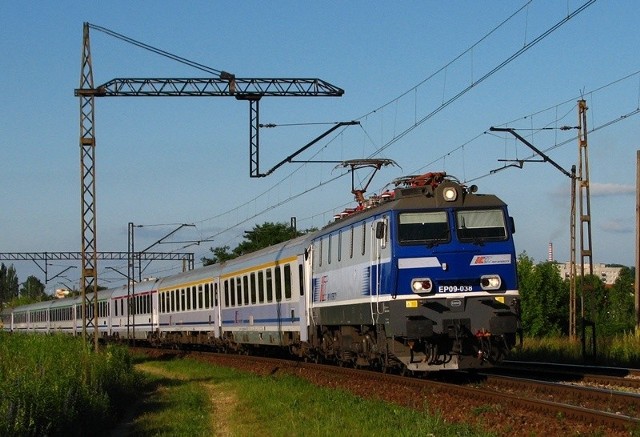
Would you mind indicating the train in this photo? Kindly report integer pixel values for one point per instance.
(420, 278)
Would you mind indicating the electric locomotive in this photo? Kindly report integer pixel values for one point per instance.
(422, 278)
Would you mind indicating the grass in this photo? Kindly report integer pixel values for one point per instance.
(198, 399)
(620, 350)
(57, 385)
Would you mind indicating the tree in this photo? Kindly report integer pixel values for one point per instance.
(259, 237)
(33, 289)
(8, 283)
(544, 298)
(616, 311)
(220, 255)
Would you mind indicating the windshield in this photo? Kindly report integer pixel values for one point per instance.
(481, 225)
(422, 227)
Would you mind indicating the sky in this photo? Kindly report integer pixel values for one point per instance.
(424, 79)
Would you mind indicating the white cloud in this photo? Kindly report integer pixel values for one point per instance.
(621, 226)
(598, 189)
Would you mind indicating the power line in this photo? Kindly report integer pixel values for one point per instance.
(419, 122)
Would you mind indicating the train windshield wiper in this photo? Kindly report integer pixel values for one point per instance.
(439, 239)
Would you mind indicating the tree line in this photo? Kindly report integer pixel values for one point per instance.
(13, 293)
(545, 300)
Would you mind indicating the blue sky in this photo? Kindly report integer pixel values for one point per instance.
(165, 161)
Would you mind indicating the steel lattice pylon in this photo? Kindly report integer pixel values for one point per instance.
(227, 85)
(89, 281)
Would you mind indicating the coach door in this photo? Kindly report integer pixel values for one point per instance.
(217, 303)
(304, 288)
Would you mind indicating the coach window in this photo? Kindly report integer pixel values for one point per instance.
(287, 281)
(301, 279)
(174, 300)
(122, 306)
(239, 291)
(188, 295)
(261, 286)
(194, 297)
(207, 295)
(215, 294)
(204, 299)
(245, 289)
(115, 306)
(278, 284)
(269, 286)
(253, 288)
(232, 291)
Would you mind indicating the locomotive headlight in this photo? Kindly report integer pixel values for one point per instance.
(450, 194)
(490, 282)
(421, 285)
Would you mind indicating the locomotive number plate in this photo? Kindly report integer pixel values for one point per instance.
(454, 288)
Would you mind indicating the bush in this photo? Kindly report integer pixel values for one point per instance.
(55, 385)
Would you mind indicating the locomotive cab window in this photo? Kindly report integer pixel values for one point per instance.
(423, 227)
(481, 225)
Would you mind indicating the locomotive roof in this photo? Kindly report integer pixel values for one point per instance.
(418, 198)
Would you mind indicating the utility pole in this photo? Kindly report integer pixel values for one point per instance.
(637, 279)
(580, 186)
(586, 252)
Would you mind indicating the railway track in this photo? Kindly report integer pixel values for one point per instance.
(505, 405)
(615, 377)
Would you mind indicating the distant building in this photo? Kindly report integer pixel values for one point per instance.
(608, 274)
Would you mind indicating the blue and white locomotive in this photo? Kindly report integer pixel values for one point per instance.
(421, 278)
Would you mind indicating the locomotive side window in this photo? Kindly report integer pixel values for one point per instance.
(423, 227)
(486, 224)
(364, 238)
(330, 238)
(339, 245)
(351, 242)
